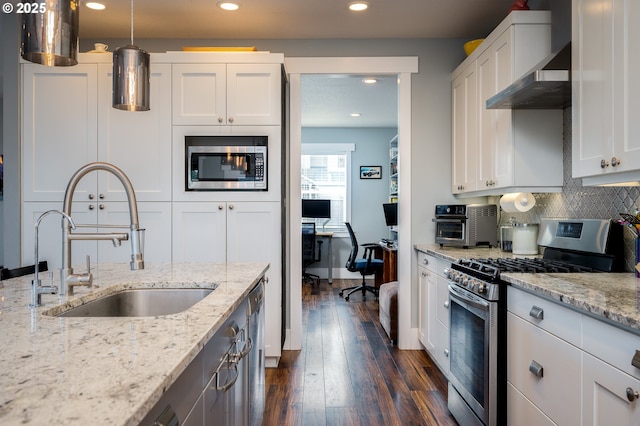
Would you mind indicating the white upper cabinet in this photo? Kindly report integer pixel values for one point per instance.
(68, 121)
(605, 58)
(227, 94)
(497, 151)
(59, 128)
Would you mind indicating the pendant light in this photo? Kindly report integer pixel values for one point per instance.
(50, 32)
(131, 76)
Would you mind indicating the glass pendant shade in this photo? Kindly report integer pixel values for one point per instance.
(131, 77)
(50, 37)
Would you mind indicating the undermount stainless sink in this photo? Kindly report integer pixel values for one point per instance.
(142, 302)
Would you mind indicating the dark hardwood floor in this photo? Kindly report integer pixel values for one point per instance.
(348, 373)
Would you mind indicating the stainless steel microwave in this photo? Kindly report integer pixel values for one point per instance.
(226, 163)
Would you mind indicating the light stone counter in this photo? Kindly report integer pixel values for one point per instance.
(612, 297)
(107, 371)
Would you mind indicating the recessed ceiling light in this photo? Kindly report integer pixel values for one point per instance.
(227, 5)
(370, 81)
(355, 114)
(95, 5)
(358, 6)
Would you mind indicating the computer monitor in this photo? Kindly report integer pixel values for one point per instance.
(312, 208)
(391, 213)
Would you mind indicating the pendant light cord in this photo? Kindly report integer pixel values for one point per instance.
(132, 22)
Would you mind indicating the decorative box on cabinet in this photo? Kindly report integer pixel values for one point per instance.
(227, 94)
(605, 59)
(497, 151)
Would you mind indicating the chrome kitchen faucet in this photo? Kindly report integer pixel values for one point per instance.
(36, 289)
(68, 278)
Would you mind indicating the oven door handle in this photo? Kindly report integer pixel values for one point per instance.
(459, 220)
(467, 298)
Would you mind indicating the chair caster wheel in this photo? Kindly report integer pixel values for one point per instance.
(340, 294)
(346, 298)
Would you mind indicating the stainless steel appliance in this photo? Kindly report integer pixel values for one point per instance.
(477, 309)
(466, 226)
(218, 163)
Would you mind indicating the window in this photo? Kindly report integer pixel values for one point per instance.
(325, 174)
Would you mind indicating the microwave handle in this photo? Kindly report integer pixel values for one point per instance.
(460, 220)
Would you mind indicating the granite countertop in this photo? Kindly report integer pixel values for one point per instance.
(81, 371)
(612, 297)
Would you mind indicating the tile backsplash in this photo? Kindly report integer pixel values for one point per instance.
(577, 201)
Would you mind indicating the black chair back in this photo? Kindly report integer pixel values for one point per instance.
(351, 261)
(308, 243)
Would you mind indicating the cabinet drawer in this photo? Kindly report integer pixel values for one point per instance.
(554, 318)
(611, 344)
(427, 261)
(522, 412)
(556, 392)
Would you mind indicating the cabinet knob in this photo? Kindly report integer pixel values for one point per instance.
(446, 353)
(230, 119)
(220, 207)
(91, 196)
(632, 394)
(486, 183)
(425, 261)
(536, 369)
(101, 196)
(615, 161)
(424, 274)
(446, 304)
(230, 206)
(604, 164)
(91, 207)
(101, 206)
(220, 120)
(536, 312)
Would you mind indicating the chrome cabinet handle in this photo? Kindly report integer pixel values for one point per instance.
(425, 261)
(615, 161)
(230, 206)
(536, 312)
(632, 394)
(101, 206)
(446, 304)
(446, 353)
(424, 274)
(220, 207)
(101, 196)
(91, 196)
(604, 164)
(536, 369)
(230, 119)
(91, 207)
(220, 120)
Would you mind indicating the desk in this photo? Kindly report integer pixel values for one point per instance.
(329, 237)
(389, 256)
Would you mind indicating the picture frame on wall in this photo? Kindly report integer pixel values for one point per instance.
(370, 172)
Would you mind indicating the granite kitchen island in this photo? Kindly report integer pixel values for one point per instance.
(109, 370)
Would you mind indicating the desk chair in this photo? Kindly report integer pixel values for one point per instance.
(6, 274)
(367, 265)
(309, 252)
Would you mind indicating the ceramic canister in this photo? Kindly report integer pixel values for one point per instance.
(525, 238)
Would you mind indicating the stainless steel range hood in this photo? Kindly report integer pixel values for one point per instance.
(546, 86)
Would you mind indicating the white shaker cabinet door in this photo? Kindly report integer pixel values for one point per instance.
(139, 142)
(199, 94)
(465, 123)
(605, 400)
(253, 94)
(59, 122)
(199, 232)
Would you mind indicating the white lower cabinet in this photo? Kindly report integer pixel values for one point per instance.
(555, 389)
(433, 313)
(154, 217)
(586, 372)
(235, 232)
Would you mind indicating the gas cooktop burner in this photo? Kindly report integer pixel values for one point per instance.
(532, 265)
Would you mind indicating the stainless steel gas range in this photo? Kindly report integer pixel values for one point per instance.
(477, 309)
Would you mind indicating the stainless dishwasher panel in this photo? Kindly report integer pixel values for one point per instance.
(223, 371)
(256, 373)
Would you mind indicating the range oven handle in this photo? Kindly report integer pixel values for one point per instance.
(468, 298)
(451, 220)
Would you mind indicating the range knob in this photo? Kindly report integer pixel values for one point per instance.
(482, 288)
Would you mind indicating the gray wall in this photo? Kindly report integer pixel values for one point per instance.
(367, 196)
